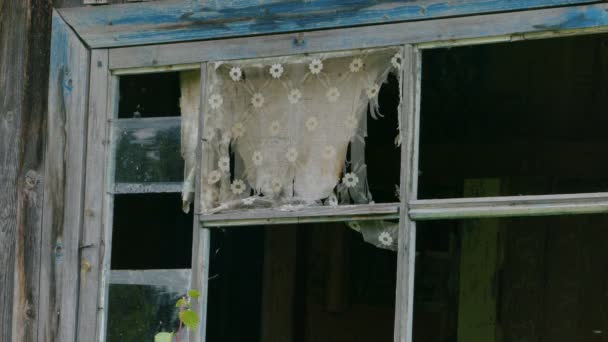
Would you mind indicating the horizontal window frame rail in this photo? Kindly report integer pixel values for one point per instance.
(177, 280)
(147, 188)
(509, 206)
(269, 216)
(469, 30)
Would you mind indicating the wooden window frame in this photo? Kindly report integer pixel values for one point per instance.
(83, 98)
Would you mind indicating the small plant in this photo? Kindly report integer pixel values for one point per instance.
(187, 317)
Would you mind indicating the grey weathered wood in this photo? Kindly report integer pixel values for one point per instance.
(410, 122)
(201, 237)
(508, 206)
(108, 212)
(91, 259)
(94, 2)
(301, 215)
(24, 40)
(186, 20)
(503, 27)
(176, 280)
(64, 184)
(147, 188)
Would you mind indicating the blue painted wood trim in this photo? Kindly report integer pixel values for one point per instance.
(162, 22)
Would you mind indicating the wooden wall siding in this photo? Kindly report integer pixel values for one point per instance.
(63, 189)
(24, 62)
(540, 23)
(162, 22)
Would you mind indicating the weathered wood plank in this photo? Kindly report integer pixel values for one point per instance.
(161, 22)
(108, 212)
(464, 30)
(176, 280)
(201, 237)
(409, 131)
(64, 184)
(508, 206)
(301, 215)
(91, 259)
(147, 188)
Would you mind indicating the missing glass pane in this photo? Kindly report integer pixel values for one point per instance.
(516, 279)
(149, 95)
(300, 131)
(151, 231)
(530, 115)
(318, 282)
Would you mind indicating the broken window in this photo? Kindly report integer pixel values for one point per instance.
(291, 131)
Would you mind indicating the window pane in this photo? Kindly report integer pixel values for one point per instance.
(138, 312)
(530, 115)
(516, 279)
(149, 95)
(148, 151)
(151, 232)
(318, 282)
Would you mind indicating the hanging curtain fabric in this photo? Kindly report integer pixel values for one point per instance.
(190, 108)
(277, 131)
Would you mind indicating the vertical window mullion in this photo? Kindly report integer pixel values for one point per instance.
(410, 121)
(201, 236)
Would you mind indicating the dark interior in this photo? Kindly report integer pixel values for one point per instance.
(318, 282)
(531, 115)
(149, 95)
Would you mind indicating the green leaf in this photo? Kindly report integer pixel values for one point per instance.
(163, 337)
(194, 294)
(189, 318)
(182, 302)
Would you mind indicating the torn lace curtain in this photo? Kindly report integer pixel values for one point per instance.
(277, 131)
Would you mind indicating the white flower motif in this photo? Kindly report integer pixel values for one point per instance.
(224, 164)
(257, 158)
(238, 130)
(275, 186)
(292, 154)
(350, 180)
(248, 200)
(332, 200)
(294, 96)
(275, 126)
(396, 61)
(216, 101)
(373, 91)
(352, 122)
(312, 123)
(385, 239)
(333, 94)
(315, 66)
(276, 70)
(236, 74)
(226, 137)
(257, 100)
(329, 152)
(356, 65)
(237, 187)
(213, 177)
(355, 225)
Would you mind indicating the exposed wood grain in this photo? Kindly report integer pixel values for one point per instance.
(406, 254)
(453, 31)
(108, 212)
(91, 259)
(301, 215)
(509, 206)
(201, 237)
(161, 22)
(280, 247)
(64, 184)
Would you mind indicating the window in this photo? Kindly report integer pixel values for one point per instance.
(436, 238)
